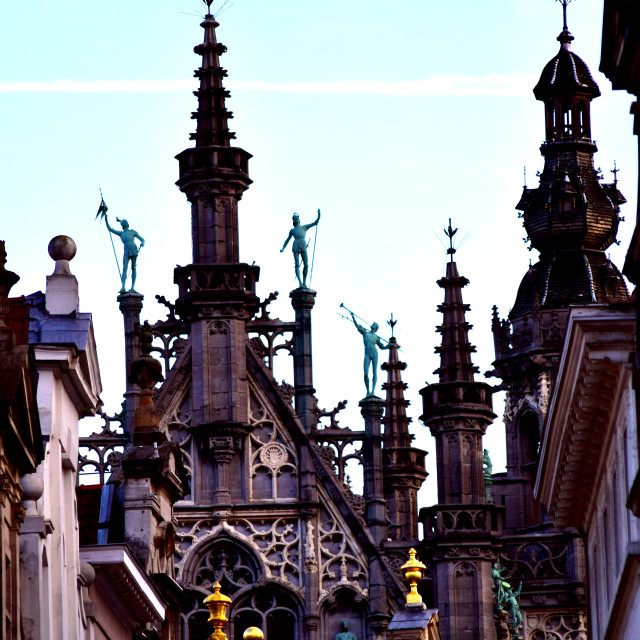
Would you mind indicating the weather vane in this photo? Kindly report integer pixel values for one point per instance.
(450, 232)
(564, 4)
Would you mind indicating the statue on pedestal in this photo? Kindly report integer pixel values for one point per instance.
(131, 250)
(372, 342)
(299, 248)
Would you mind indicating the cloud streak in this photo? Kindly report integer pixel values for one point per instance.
(487, 85)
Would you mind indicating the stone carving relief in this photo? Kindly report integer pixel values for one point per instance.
(277, 543)
(273, 459)
(178, 424)
(564, 626)
(535, 560)
(340, 564)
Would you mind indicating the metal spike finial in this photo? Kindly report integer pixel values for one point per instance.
(392, 323)
(564, 4)
(450, 232)
(615, 171)
(208, 3)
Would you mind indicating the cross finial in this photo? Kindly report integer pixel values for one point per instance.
(450, 232)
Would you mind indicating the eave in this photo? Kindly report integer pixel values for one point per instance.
(132, 595)
(593, 374)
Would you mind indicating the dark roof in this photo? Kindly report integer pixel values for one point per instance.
(566, 73)
(567, 278)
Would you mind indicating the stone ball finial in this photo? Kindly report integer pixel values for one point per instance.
(253, 633)
(62, 249)
(32, 486)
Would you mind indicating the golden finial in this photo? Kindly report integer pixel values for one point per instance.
(412, 570)
(217, 603)
(252, 633)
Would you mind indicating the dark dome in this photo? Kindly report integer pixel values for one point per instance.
(569, 277)
(565, 74)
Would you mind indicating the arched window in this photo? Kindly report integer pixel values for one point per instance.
(269, 609)
(529, 438)
(224, 562)
(567, 121)
(344, 604)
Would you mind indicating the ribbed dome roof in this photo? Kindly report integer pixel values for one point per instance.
(565, 73)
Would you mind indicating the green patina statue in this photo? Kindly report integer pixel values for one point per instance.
(131, 250)
(371, 344)
(508, 599)
(346, 634)
(299, 248)
(487, 467)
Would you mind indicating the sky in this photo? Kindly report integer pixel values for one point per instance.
(391, 117)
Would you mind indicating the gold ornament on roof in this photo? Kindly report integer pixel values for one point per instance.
(253, 633)
(412, 570)
(217, 603)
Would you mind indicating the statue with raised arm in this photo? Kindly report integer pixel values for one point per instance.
(131, 250)
(371, 344)
(345, 634)
(512, 605)
(299, 248)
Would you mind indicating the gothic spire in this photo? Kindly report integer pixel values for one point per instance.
(396, 422)
(213, 174)
(212, 115)
(455, 350)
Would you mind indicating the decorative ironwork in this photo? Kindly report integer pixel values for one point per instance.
(101, 451)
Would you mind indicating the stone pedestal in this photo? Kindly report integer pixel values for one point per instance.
(302, 301)
(131, 306)
(372, 409)
(414, 622)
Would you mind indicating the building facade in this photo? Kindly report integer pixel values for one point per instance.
(214, 472)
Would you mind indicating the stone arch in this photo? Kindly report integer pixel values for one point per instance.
(343, 604)
(527, 431)
(270, 607)
(219, 558)
(222, 558)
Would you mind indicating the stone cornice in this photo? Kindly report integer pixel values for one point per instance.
(594, 372)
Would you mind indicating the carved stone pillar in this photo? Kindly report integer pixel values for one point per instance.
(130, 307)
(372, 409)
(302, 301)
(221, 451)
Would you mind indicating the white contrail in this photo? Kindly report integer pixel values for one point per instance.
(488, 85)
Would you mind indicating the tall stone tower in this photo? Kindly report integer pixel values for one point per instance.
(271, 514)
(460, 530)
(571, 218)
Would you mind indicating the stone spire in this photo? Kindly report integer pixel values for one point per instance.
(455, 350)
(396, 422)
(403, 465)
(212, 115)
(458, 410)
(457, 405)
(213, 174)
(216, 292)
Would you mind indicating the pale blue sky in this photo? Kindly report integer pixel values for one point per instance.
(390, 116)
